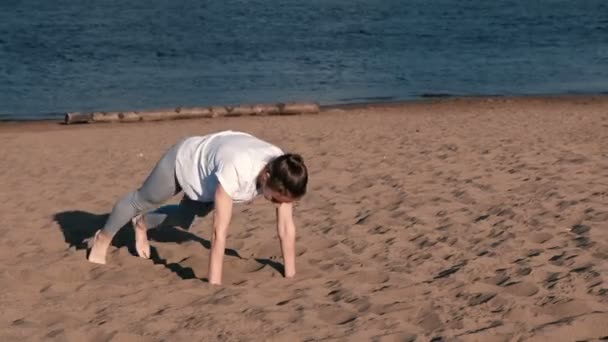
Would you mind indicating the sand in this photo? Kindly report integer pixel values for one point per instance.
(475, 219)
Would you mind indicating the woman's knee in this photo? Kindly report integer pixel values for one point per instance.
(142, 202)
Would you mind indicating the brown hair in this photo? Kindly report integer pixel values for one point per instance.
(288, 175)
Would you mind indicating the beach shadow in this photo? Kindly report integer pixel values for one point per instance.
(176, 235)
(183, 272)
(78, 226)
(276, 265)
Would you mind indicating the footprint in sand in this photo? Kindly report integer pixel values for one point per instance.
(197, 264)
(590, 327)
(356, 246)
(250, 266)
(601, 252)
(342, 295)
(362, 304)
(481, 298)
(396, 337)
(522, 289)
(236, 245)
(580, 229)
(322, 245)
(552, 279)
(429, 321)
(382, 309)
(265, 249)
(300, 250)
(284, 317)
(335, 315)
(596, 216)
(562, 258)
(463, 197)
(567, 309)
(541, 237)
(370, 277)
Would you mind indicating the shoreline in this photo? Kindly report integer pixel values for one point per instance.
(50, 123)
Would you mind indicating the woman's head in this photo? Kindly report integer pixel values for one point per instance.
(285, 178)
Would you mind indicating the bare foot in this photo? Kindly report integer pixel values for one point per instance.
(142, 246)
(98, 248)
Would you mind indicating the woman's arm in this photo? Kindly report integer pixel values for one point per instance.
(286, 230)
(221, 220)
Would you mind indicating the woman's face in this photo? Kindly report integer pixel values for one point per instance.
(274, 196)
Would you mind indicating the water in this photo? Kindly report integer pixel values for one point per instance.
(68, 55)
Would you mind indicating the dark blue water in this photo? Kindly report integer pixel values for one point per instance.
(83, 55)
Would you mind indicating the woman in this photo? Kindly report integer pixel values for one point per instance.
(214, 171)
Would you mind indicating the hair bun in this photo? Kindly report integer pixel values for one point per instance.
(296, 158)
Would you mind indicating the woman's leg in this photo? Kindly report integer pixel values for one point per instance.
(179, 215)
(159, 187)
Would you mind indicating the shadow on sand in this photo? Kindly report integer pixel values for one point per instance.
(78, 226)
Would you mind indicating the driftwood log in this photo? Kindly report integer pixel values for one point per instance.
(193, 113)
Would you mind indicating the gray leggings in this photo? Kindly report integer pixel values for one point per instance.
(158, 188)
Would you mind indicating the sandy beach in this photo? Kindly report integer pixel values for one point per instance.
(471, 219)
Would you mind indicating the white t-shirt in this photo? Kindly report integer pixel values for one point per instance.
(234, 159)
